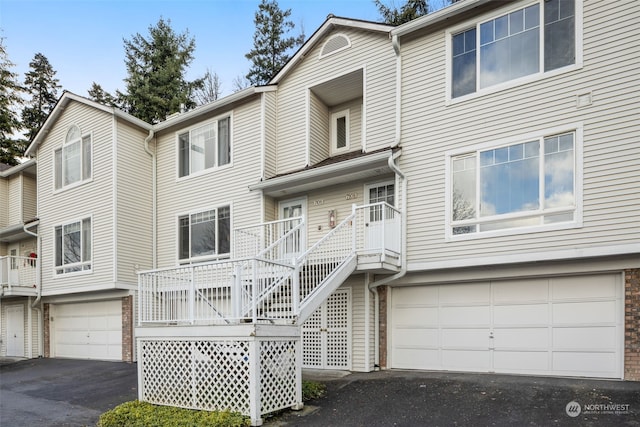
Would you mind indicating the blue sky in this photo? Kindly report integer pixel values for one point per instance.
(83, 39)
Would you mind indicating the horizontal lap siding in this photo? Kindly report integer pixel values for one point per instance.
(270, 100)
(15, 200)
(318, 129)
(611, 132)
(91, 198)
(29, 198)
(4, 206)
(228, 185)
(371, 51)
(134, 212)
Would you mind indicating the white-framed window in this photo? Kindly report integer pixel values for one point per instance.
(204, 147)
(205, 234)
(379, 192)
(527, 184)
(340, 132)
(529, 41)
(72, 246)
(72, 161)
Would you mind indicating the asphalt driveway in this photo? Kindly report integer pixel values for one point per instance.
(61, 392)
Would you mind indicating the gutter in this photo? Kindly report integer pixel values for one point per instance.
(154, 213)
(37, 303)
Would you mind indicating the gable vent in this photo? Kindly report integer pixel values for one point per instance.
(335, 44)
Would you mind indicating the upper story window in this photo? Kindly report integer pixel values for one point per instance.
(204, 235)
(205, 147)
(72, 162)
(532, 40)
(72, 246)
(340, 132)
(530, 183)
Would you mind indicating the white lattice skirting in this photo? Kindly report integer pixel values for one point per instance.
(253, 376)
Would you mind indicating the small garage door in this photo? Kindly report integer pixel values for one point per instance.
(558, 326)
(88, 330)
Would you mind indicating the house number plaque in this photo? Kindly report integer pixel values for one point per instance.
(351, 196)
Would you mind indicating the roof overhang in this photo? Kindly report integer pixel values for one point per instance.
(364, 167)
(15, 233)
(27, 166)
(438, 17)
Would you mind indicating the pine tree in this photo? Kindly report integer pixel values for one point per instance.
(412, 9)
(12, 146)
(156, 66)
(41, 84)
(271, 49)
(101, 96)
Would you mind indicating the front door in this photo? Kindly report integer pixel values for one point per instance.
(295, 244)
(382, 227)
(326, 335)
(14, 272)
(15, 330)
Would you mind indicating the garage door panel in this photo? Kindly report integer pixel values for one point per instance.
(517, 291)
(411, 295)
(521, 314)
(409, 315)
(592, 338)
(426, 337)
(575, 313)
(521, 338)
(465, 294)
(466, 338)
(521, 361)
(466, 360)
(598, 286)
(465, 315)
(416, 358)
(597, 364)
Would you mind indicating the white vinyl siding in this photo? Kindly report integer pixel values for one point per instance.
(15, 200)
(94, 197)
(610, 202)
(270, 133)
(379, 95)
(318, 129)
(219, 187)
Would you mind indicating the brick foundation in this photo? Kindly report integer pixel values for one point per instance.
(127, 329)
(632, 324)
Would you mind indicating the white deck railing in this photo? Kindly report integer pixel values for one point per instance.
(277, 281)
(16, 271)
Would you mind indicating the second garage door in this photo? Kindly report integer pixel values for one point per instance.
(554, 326)
(88, 330)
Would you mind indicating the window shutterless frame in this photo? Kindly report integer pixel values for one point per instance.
(72, 162)
(204, 235)
(204, 147)
(73, 247)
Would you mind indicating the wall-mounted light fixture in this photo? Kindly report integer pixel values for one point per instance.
(332, 218)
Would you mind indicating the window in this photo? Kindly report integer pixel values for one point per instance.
(339, 132)
(510, 46)
(204, 234)
(73, 247)
(204, 147)
(384, 192)
(72, 162)
(531, 183)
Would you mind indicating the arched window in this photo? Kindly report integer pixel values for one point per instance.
(73, 159)
(335, 44)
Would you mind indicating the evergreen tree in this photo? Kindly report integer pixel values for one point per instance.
(101, 96)
(412, 9)
(41, 84)
(12, 146)
(156, 66)
(271, 47)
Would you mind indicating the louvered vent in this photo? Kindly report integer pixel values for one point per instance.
(335, 44)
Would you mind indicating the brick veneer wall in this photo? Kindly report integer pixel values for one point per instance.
(47, 335)
(632, 324)
(127, 329)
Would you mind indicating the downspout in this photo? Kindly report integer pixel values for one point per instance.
(36, 304)
(154, 255)
(372, 286)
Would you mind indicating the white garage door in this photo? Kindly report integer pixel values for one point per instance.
(88, 330)
(558, 326)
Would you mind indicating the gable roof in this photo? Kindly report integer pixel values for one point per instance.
(68, 97)
(329, 25)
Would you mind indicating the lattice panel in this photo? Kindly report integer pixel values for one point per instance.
(204, 375)
(277, 375)
(338, 330)
(312, 340)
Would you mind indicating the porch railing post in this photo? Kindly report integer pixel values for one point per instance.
(254, 287)
(354, 228)
(192, 297)
(295, 285)
(383, 249)
(236, 292)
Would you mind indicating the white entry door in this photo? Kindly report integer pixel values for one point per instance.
(14, 268)
(15, 331)
(326, 335)
(382, 227)
(295, 244)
